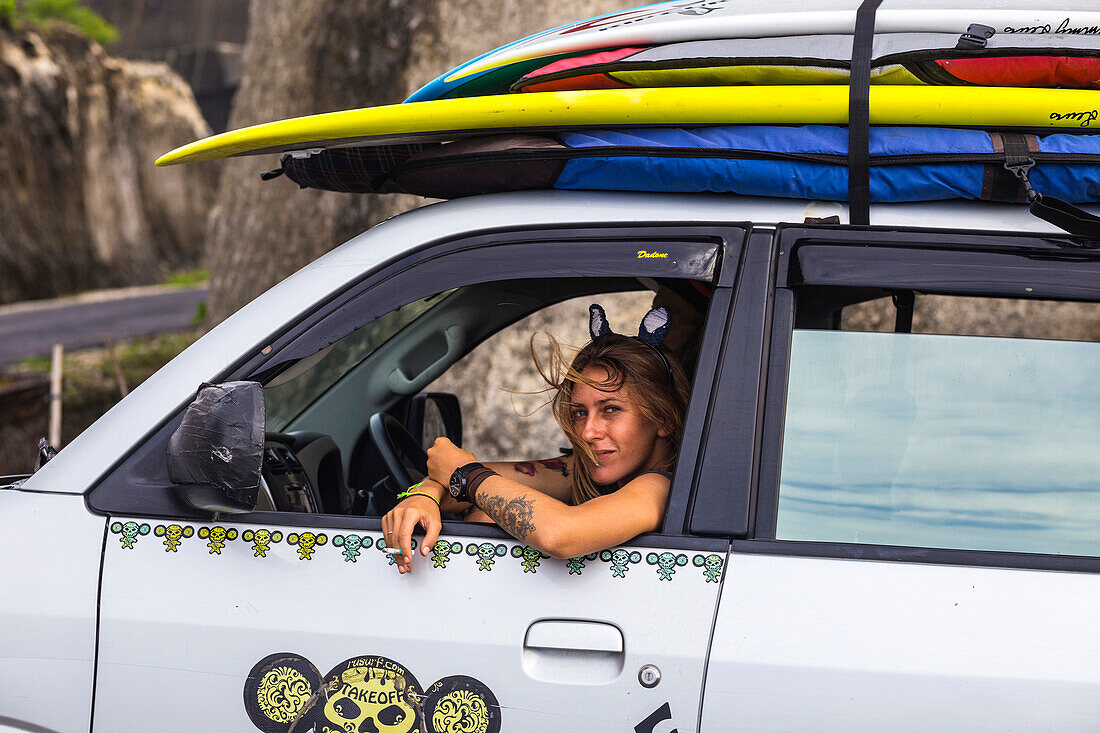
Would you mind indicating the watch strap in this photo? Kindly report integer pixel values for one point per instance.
(474, 478)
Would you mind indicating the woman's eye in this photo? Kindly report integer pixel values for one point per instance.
(579, 414)
(612, 408)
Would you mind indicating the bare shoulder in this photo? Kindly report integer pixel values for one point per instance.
(651, 481)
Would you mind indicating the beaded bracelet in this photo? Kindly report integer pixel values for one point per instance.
(404, 494)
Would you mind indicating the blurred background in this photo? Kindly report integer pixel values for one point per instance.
(126, 264)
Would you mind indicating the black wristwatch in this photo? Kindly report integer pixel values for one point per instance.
(465, 480)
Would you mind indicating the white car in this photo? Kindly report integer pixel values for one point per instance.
(882, 519)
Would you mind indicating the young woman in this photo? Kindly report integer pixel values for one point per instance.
(621, 403)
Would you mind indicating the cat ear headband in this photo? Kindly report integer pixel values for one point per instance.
(651, 332)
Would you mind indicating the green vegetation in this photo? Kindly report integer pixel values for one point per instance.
(45, 13)
(187, 278)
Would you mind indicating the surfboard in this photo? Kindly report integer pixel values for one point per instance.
(994, 107)
(691, 20)
(896, 58)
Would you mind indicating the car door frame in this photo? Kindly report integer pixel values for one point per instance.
(133, 489)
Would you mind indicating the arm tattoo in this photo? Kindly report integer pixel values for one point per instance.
(525, 467)
(556, 464)
(514, 515)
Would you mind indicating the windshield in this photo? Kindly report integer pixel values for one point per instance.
(286, 399)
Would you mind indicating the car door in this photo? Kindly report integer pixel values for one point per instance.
(916, 548)
(278, 621)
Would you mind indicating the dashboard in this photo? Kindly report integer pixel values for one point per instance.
(302, 472)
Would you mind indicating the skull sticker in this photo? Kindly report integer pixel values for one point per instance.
(261, 540)
(369, 695)
(352, 544)
(666, 563)
(530, 556)
(487, 553)
(442, 551)
(576, 564)
(712, 566)
(218, 537)
(620, 560)
(284, 693)
(173, 534)
(307, 543)
(129, 532)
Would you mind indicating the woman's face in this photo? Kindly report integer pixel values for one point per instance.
(623, 440)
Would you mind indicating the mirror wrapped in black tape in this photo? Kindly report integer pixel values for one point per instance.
(216, 454)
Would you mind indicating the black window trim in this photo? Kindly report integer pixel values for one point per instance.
(763, 540)
(730, 235)
(723, 502)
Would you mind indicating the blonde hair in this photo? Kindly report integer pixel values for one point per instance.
(628, 363)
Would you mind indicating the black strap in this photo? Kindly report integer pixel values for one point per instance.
(903, 319)
(1061, 214)
(1066, 216)
(859, 115)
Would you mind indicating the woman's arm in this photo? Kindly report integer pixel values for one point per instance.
(565, 531)
(550, 476)
(550, 524)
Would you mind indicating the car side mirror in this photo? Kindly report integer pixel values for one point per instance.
(216, 454)
(432, 414)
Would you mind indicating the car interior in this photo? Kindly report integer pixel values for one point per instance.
(347, 426)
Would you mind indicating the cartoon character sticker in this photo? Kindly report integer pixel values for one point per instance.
(129, 533)
(461, 704)
(442, 551)
(279, 690)
(173, 535)
(576, 564)
(620, 560)
(307, 543)
(353, 544)
(666, 563)
(530, 556)
(262, 540)
(712, 566)
(218, 537)
(487, 553)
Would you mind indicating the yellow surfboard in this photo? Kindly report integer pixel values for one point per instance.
(986, 107)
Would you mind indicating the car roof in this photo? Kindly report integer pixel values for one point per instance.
(93, 453)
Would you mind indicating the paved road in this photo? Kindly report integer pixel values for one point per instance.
(31, 329)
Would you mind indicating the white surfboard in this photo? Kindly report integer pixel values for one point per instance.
(690, 20)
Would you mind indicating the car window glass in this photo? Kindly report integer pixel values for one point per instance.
(945, 441)
(286, 400)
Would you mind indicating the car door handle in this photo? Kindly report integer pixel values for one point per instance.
(574, 652)
(577, 636)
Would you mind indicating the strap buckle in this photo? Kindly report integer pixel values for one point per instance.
(976, 37)
(1020, 169)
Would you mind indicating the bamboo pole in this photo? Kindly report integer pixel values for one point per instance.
(55, 397)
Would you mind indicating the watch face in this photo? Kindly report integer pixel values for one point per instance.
(455, 486)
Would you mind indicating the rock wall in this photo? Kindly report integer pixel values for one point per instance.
(307, 58)
(81, 202)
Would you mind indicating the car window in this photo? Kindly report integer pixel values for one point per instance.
(287, 399)
(945, 440)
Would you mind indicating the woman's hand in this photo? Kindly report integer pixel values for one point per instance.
(444, 457)
(399, 523)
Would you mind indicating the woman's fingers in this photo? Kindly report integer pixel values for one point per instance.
(408, 522)
(432, 526)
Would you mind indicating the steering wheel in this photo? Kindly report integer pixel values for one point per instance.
(403, 455)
